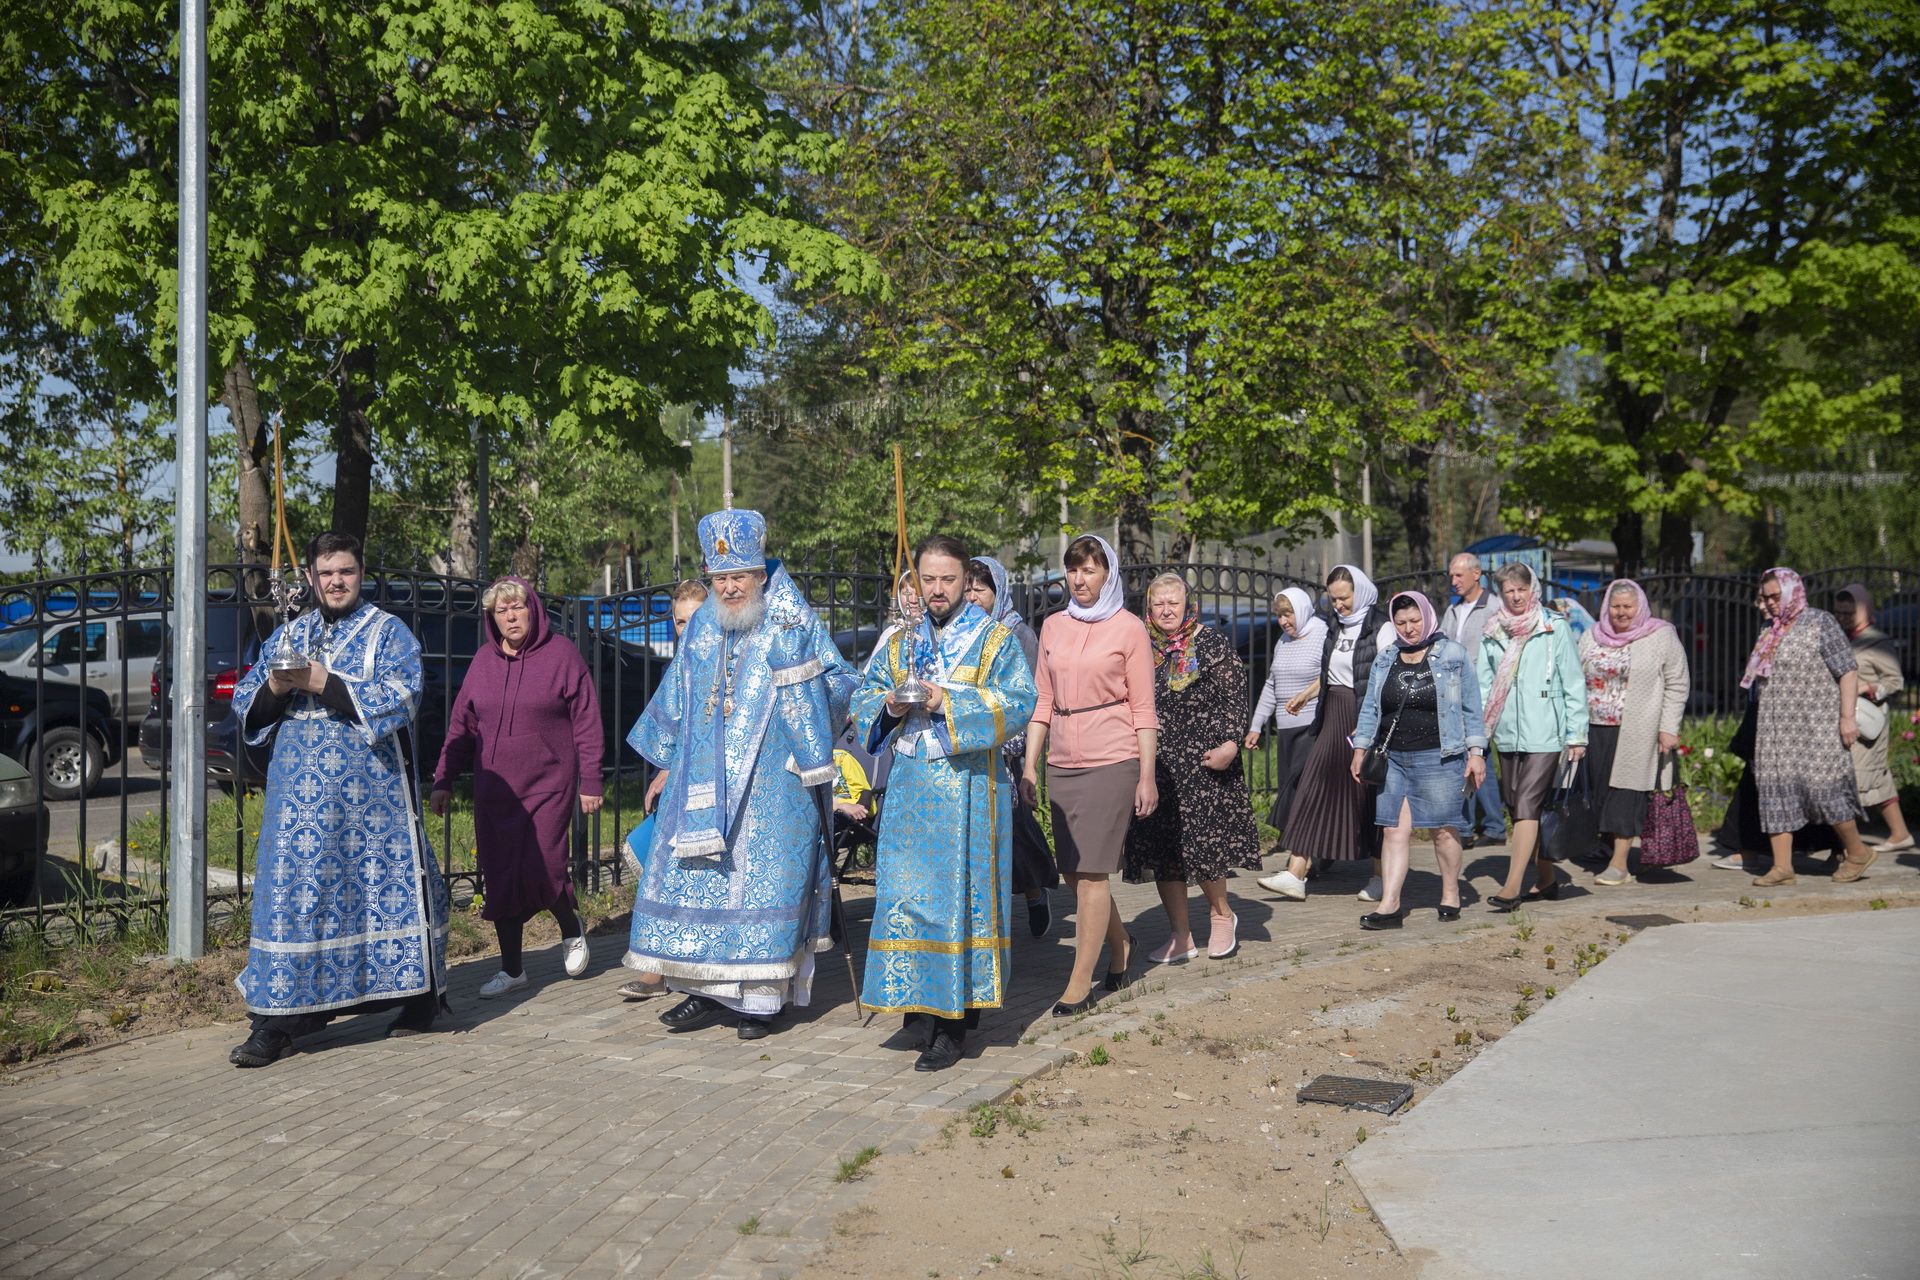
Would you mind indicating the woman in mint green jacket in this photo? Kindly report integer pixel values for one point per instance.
(1535, 697)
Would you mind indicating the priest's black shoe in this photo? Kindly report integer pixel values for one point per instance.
(693, 1013)
(948, 1047)
(265, 1046)
(752, 1028)
(416, 1016)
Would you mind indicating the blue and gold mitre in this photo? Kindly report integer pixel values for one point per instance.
(733, 540)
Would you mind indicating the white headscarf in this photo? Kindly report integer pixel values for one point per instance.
(1112, 596)
(1307, 625)
(1365, 595)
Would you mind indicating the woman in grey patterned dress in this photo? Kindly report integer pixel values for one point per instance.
(1807, 680)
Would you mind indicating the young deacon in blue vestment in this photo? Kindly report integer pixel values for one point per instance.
(938, 952)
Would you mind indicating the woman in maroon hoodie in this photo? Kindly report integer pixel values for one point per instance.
(527, 721)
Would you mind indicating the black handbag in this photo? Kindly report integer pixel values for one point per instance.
(1373, 765)
(1568, 829)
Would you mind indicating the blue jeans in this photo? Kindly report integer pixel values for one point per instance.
(1485, 801)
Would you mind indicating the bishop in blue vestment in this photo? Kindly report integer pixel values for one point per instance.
(938, 951)
(349, 908)
(735, 896)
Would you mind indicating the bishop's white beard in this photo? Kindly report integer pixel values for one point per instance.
(744, 616)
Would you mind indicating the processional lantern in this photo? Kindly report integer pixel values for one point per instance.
(911, 691)
(285, 582)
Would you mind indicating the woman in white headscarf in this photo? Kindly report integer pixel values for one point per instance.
(1329, 818)
(1095, 725)
(1295, 668)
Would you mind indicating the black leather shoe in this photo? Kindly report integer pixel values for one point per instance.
(1449, 913)
(755, 1028)
(264, 1047)
(1117, 979)
(948, 1047)
(1383, 919)
(416, 1017)
(1469, 840)
(693, 1013)
(1498, 903)
(1065, 1010)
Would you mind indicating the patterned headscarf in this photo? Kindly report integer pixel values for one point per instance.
(1518, 627)
(1174, 649)
(1003, 611)
(1429, 621)
(1793, 602)
(1644, 621)
(1112, 596)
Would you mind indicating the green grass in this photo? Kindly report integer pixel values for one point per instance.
(854, 1167)
(233, 823)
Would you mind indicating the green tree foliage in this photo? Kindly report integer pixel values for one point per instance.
(424, 214)
(1730, 183)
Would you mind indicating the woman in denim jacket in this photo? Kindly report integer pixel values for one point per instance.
(1423, 697)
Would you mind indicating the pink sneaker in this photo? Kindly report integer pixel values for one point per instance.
(1171, 954)
(1225, 939)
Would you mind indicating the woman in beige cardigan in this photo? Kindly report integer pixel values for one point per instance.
(1880, 680)
(1636, 671)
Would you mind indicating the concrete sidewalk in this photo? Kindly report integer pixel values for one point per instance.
(561, 1133)
(1720, 1100)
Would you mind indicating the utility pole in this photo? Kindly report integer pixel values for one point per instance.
(187, 863)
(1366, 521)
(726, 461)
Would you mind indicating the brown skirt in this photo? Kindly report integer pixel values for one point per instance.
(1525, 779)
(1091, 811)
(1330, 817)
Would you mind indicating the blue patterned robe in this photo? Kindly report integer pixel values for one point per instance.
(348, 903)
(734, 899)
(939, 940)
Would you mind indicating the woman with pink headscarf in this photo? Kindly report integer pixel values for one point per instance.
(1637, 683)
(1805, 673)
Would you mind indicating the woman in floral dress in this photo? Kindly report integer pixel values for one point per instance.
(1204, 824)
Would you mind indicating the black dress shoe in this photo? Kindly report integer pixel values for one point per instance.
(1549, 889)
(693, 1013)
(1065, 1010)
(948, 1047)
(752, 1028)
(1469, 840)
(1498, 903)
(1449, 913)
(1039, 917)
(416, 1016)
(264, 1047)
(1383, 919)
(1118, 979)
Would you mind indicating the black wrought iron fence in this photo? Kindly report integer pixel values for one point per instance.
(86, 672)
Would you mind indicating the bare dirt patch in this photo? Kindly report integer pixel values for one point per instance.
(1175, 1147)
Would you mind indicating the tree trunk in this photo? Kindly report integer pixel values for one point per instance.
(253, 540)
(1136, 510)
(1416, 506)
(1676, 543)
(463, 537)
(1629, 544)
(353, 444)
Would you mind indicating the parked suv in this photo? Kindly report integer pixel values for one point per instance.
(67, 734)
(115, 654)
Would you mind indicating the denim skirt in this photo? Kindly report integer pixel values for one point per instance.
(1434, 786)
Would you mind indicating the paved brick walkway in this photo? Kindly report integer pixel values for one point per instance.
(565, 1133)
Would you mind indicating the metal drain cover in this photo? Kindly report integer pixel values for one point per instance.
(1642, 922)
(1384, 1096)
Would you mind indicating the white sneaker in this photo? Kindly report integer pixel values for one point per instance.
(1372, 892)
(1286, 884)
(501, 983)
(576, 956)
(1732, 862)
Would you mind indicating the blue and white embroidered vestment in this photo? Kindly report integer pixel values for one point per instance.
(735, 896)
(348, 904)
(939, 940)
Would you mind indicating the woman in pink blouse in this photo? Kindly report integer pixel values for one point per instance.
(1094, 722)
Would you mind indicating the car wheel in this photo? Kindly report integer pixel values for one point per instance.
(69, 761)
